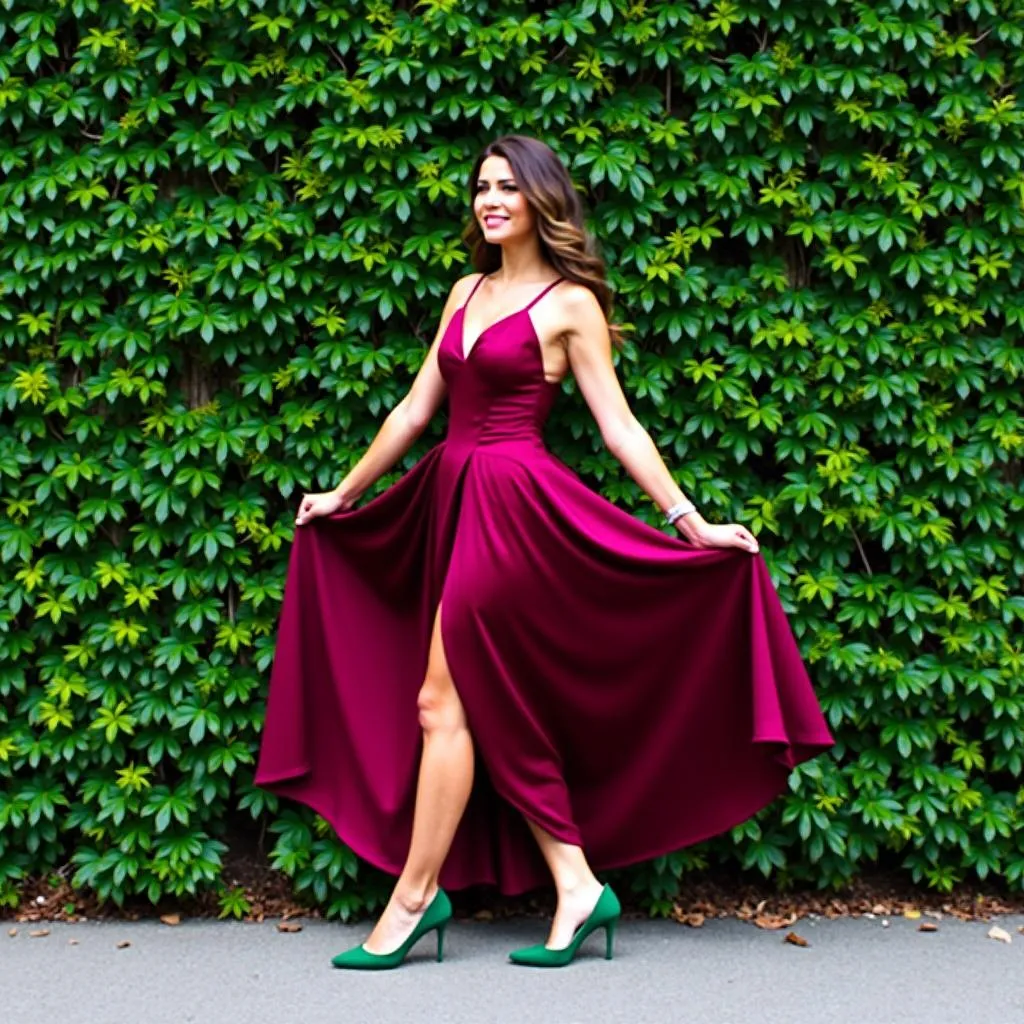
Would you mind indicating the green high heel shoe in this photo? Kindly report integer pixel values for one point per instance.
(437, 915)
(605, 915)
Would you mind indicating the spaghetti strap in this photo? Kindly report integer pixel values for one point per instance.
(476, 284)
(537, 298)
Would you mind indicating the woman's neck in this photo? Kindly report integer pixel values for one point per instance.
(521, 264)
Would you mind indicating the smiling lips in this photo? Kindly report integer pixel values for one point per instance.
(494, 221)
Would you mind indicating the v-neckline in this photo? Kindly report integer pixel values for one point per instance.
(462, 330)
(463, 354)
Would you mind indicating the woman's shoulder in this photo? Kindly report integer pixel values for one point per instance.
(458, 292)
(576, 297)
(464, 285)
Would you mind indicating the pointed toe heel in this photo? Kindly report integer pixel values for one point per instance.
(435, 918)
(606, 914)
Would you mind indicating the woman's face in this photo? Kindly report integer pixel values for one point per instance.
(500, 208)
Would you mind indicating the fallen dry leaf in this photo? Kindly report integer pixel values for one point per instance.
(288, 926)
(123, 944)
(39, 933)
(958, 912)
(797, 940)
(927, 926)
(12, 932)
(484, 915)
(995, 932)
(171, 918)
(694, 920)
(912, 915)
(774, 921)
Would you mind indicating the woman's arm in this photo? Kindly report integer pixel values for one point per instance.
(410, 416)
(589, 351)
(402, 425)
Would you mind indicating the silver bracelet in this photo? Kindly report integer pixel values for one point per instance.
(683, 508)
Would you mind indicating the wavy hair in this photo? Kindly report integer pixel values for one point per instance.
(564, 239)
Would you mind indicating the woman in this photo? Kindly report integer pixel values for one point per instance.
(627, 692)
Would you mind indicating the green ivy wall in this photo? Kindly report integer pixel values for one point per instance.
(228, 229)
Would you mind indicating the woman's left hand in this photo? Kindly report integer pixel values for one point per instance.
(702, 534)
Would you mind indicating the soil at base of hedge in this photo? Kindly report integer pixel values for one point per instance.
(714, 893)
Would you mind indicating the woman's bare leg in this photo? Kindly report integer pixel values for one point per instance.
(442, 792)
(577, 887)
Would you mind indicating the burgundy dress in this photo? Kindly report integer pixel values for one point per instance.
(625, 690)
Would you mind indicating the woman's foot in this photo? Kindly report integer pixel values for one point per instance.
(575, 905)
(404, 911)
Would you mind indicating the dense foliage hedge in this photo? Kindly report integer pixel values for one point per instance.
(227, 231)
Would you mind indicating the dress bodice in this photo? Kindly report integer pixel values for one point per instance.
(497, 392)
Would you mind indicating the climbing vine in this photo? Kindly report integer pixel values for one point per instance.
(228, 229)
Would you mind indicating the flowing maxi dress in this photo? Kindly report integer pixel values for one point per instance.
(626, 691)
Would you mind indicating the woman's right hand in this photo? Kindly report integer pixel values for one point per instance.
(322, 504)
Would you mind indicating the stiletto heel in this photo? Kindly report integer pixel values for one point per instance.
(605, 914)
(609, 931)
(437, 915)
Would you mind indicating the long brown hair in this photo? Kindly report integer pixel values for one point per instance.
(564, 239)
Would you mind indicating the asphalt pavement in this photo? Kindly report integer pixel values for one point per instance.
(852, 971)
